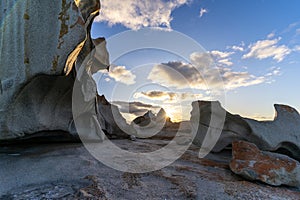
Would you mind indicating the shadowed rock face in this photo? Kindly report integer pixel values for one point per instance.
(37, 38)
(149, 124)
(271, 168)
(283, 133)
(144, 120)
(111, 120)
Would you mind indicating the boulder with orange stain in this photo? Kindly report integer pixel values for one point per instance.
(271, 168)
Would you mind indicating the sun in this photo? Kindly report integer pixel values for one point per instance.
(173, 113)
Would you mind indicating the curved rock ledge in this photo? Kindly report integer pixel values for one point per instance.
(281, 134)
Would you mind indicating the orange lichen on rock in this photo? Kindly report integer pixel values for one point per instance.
(274, 169)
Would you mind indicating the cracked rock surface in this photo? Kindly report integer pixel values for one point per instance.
(68, 171)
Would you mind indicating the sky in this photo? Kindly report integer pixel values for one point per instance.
(253, 47)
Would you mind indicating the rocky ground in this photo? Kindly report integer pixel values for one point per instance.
(68, 171)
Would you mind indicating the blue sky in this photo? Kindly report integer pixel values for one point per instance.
(255, 43)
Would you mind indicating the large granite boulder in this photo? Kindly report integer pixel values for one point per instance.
(271, 168)
(281, 134)
(37, 39)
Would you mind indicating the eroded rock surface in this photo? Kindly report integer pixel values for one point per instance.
(68, 171)
(37, 38)
(112, 122)
(283, 133)
(150, 124)
(271, 168)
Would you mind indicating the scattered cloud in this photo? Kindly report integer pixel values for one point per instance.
(275, 71)
(156, 95)
(263, 49)
(168, 97)
(222, 58)
(203, 11)
(221, 54)
(237, 48)
(272, 72)
(177, 75)
(271, 35)
(135, 108)
(225, 62)
(233, 80)
(297, 48)
(121, 74)
(291, 27)
(201, 74)
(139, 13)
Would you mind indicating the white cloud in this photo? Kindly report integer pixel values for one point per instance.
(203, 11)
(273, 71)
(222, 58)
(168, 97)
(271, 35)
(221, 54)
(297, 48)
(206, 77)
(233, 80)
(237, 48)
(225, 62)
(268, 49)
(121, 74)
(291, 27)
(139, 13)
(276, 72)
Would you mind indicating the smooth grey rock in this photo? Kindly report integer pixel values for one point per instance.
(207, 121)
(283, 133)
(43, 104)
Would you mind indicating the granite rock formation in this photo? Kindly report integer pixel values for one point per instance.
(271, 168)
(149, 124)
(37, 38)
(281, 134)
(144, 120)
(111, 120)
